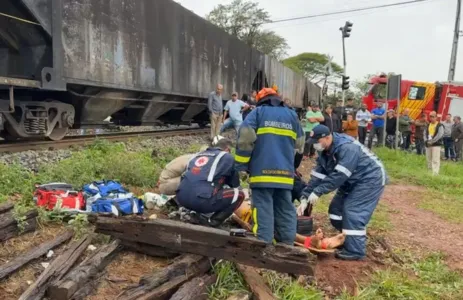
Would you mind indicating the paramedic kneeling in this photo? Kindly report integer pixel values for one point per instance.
(202, 186)
(358, 175)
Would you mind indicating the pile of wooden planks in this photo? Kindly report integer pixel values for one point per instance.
(187, 277)
(173, 236)
(9, 226)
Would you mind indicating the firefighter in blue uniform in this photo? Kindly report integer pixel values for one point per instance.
(210, 185)
(359, 177)
(265, 148)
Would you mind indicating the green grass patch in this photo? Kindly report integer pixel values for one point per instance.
(443, 195)
(425, 279)
(229, 281)
(101, 160)
(409, 168)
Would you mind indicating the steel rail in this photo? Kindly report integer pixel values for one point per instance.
(70, 141)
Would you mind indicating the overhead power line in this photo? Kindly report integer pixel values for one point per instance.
(347, 11)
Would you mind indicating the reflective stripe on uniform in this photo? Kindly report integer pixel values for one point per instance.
(370, 154)
(242, 159)
(343, 170)
(277, 131)
(236, 194)
(254, 220)
(335, 217)
(210, 178)
(354, 232)
(271, 179)
(318, 175)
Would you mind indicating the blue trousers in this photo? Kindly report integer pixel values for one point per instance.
(273, 212)
(229, 123)
(351, 210)
(449, 148)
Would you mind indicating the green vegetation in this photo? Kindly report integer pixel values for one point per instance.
(409, 168)
(101, 160)
(424, 279)
(441, 194)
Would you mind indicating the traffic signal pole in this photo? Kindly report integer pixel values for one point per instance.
(345, 33)
(344, 66)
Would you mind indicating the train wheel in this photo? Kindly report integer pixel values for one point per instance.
(58, 133)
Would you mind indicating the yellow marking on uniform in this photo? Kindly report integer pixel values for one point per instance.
(277, 131)
(242, 159)
(271, 179)
(255, 226)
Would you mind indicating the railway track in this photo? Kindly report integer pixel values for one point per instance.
(89, 139)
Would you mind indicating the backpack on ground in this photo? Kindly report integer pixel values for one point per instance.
(104, 188)
(118, 206)
(58, 195)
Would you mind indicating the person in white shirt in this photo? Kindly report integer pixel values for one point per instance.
(363, 118)
(234, 108)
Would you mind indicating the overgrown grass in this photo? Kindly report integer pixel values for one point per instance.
(409, 168)
(444, 192)
(424, 279)
(101, 160)
(230, 281)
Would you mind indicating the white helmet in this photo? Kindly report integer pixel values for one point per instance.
(216, 139)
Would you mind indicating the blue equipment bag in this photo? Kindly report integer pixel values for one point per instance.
(118, 206)
(104, 188)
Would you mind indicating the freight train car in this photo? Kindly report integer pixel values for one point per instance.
(72, 63)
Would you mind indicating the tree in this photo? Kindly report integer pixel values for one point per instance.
(312, 65)
(244, 19)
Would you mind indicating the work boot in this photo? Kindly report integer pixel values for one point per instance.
(345, 255)
(218, 218)
(198, 219)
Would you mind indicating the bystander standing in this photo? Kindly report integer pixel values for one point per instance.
(350, 126)
(215, 108)
(391, 124)
(378, 117)
(363, 117)
(420, 127)
(405, 129)
(313, 118)
(332, 120)
(457, 135)
(434, 136)
(449, 150)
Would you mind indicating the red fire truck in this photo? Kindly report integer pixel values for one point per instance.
(418, 97)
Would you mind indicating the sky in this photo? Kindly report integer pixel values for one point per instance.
(414, 40)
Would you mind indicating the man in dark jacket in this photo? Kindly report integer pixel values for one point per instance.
(332, 120)
(457, 136)
(202, 186)
(405, 129)
(420, 128)
(358, 176)
(391, 125)
(434, 136)
(265, 148)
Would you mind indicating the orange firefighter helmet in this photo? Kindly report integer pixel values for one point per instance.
(265, 92)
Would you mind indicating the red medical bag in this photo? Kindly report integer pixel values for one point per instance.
(58, 195)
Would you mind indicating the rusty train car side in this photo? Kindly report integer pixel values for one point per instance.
(72, 63)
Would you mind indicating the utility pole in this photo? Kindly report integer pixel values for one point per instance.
(456, 35)
(345, 33)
